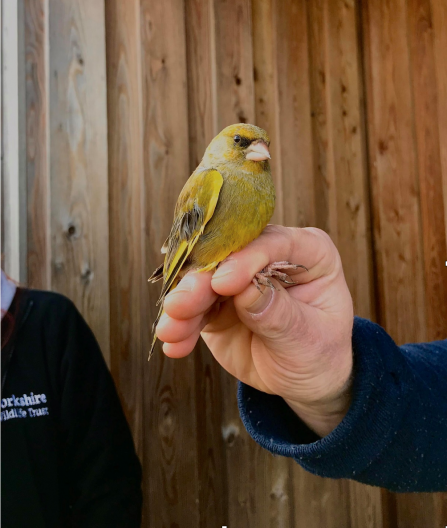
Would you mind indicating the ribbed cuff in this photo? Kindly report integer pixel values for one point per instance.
(378, 404)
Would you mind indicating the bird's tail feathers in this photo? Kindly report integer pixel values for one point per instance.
(151, 351)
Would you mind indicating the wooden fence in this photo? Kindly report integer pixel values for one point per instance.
(122, 98)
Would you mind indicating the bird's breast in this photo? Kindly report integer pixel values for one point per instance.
(244, 208)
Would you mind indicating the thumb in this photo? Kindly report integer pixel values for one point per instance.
(274, 315)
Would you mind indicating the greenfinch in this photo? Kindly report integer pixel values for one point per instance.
(225, 204)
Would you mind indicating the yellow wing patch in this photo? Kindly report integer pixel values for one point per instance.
(195, 207)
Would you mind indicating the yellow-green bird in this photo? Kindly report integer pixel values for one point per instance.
(225, 204)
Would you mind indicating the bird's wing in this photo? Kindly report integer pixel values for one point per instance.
(195, 207)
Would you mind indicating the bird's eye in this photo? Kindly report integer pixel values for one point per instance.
(237, 139)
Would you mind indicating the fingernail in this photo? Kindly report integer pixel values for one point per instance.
(261, 303)
(225, 269)
(185, 285)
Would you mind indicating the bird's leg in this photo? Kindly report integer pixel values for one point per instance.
(276, 269)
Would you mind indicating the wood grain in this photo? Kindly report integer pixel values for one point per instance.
(202, 112)
(320, 502)
(13, 142)
(419, 511)
(267, 112)
(393, 169)
(425, 97)
(330, 506)
(128, 284)
(351, 228)
(266, 90)
(341, 176)
(38, 190)
(247, 473)
(294, 113)
(424, 509)
(78, 160)
(201, 71)
(439, 23)
(406, 172)
(234, 57)
(170, 443)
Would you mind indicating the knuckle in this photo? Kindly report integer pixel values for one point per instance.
(277, 232)
(273, 229)
(319, 233)
(327, 253)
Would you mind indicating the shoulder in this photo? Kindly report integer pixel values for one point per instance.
(48, 299)
(49, 311)
(48, 304)
(56, 319)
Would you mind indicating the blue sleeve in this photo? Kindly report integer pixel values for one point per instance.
(395, 432)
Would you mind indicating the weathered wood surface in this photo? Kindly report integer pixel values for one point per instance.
(439, 23)
(38, 251)
(428, 508)
(341, 183)
(406, 181)
(78, 159)
(248, 481)
(13, 141)
(354, 97)
(393, 172)
(171, 487)
(128, 283)
(202, 115)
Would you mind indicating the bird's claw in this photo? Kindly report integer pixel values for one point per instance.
(274, 270)
(259, 278)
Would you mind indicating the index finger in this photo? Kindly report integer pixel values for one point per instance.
(309, 247)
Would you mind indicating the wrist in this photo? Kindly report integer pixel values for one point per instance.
(322, 419)
(325, 414)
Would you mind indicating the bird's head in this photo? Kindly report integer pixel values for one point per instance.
(244, 146)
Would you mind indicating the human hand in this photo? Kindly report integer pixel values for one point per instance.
(294, 341)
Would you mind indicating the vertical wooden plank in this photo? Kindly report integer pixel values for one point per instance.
(13, 141)
(324, 166)
(170, 444)
(282, 105)
(341, 175)
(78, 160)
(392, 164)
(325, 502)
(425, 509)
(36, 33)
(439, 22)
(201, 71)
(351, 228)
(366, 507)
(418, 511)
(342, 206)
(265, 51)
(295, 128)
(234, 60)
(266, 90)
(246, 463)
(128, 284)
(425, 100)
(399, 70)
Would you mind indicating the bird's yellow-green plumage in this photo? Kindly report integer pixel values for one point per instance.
(224, 205)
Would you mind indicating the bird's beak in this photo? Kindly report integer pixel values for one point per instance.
(257, 151)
